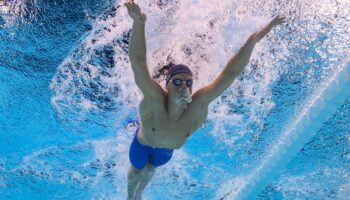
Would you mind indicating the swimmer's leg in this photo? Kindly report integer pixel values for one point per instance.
(138, 155)
(159, 157)
(134, 177)
(146, 175)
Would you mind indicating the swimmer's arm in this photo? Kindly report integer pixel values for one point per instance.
(137, 55)
(235, 65)
(232, 69)
(137, 43)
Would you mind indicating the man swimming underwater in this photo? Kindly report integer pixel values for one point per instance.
(170, 117)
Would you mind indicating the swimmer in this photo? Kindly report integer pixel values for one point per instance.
(170, 116)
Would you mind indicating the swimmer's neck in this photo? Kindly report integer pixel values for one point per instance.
(175, 110)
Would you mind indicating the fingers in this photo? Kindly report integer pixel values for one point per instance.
(131, 5)
(276, 21)
(284, 19)
(279, 19)
(138, 8)
(127, 6)
(134, 11)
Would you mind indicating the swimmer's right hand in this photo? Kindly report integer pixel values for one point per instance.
(135, 12)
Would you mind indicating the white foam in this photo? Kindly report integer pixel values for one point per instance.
(168, 32)
(344, 191)
(317, 110)
(172, 31)
(16, 12)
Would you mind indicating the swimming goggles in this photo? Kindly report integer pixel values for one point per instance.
(178, 82)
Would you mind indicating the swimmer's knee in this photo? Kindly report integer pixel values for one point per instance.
(134, 172)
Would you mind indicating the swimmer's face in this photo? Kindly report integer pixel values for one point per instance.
(180, 93)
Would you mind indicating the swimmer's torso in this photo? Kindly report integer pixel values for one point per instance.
(158, 131)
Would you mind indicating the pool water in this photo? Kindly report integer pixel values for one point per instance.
(69, 103)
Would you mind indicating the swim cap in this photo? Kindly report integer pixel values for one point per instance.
(176, 69)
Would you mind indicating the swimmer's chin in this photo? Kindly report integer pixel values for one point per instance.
(184, 103)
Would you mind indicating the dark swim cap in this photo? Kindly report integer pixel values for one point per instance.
(176, 69)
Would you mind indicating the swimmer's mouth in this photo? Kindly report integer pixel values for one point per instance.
(183, 97)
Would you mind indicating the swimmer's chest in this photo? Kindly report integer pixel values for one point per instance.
(156, 123)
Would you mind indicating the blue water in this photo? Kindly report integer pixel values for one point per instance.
(68, 102)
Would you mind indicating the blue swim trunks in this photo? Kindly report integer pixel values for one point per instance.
(139, 154)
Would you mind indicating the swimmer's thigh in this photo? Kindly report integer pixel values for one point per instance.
(138, 155)
(160, 156)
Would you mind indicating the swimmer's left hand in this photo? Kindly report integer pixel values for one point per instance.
(275, 22)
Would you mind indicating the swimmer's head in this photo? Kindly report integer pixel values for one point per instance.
(179, 84)
(176, 69)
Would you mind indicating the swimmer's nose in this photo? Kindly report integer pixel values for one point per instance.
(183, 90)
(183, 87)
